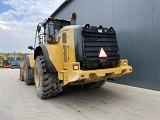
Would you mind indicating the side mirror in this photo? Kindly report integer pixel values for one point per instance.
(30, 47)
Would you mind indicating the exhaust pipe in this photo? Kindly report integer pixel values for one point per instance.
(73, 18)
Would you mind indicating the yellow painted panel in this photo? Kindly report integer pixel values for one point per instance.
(55, 53)
(69, 30)
(82, 77)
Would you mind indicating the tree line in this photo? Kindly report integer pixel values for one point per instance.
(10, 56)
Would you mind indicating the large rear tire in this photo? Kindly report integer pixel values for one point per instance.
(28, 74)
(47, 84)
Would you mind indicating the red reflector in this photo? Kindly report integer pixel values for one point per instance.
(102, 53)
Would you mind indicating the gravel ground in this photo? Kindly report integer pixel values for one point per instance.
(110, 102)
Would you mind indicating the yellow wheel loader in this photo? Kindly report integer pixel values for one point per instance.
(68, 54)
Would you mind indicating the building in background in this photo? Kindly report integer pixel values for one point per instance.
(137, 23)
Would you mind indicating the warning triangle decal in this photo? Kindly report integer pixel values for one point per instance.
(102, 53)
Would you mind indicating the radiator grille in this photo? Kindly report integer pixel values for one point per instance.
(65, 52)
(92, 41)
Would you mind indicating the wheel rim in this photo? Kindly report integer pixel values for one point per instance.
(37, 78)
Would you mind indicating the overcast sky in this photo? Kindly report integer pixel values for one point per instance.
(18, 21)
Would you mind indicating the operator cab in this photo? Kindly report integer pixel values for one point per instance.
(51, 27)
(50, 33)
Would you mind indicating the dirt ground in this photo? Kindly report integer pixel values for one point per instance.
(110, 102)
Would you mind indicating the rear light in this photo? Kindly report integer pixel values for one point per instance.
(125, 63)
(75, 67)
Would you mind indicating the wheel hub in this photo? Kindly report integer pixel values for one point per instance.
(37, 78)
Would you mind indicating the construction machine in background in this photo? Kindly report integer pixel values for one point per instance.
(1, 62)
(15, 63)
(4, 62)
(7, 64)
(68, 54)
